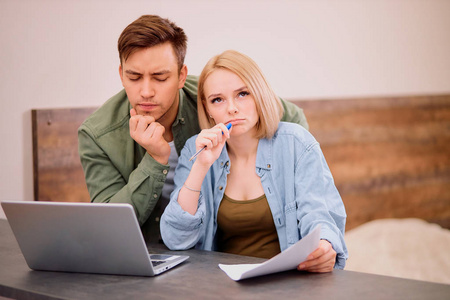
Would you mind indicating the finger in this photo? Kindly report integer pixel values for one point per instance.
(155, 131)
(205, 142)
(328, 258)
(133, 112)
(216, 131)
(325, 265)
(315, 268)
(218, 135)
(212, 137)
(323, 269)
(144, 122)
(228, 134)
(141, 124)
(223, 130)
(324, 247)
(133, 123)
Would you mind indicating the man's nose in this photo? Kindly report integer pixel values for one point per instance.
(147, 89)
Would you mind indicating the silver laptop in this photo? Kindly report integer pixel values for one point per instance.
(84, 237)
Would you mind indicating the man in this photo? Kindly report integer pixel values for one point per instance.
(129, 147)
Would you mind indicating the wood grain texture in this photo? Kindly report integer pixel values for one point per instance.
(390, 157)
(58, 175)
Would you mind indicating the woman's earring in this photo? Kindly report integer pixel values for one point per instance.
(211, 117)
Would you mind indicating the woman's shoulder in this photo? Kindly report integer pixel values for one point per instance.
(286, 129)
(293, 134)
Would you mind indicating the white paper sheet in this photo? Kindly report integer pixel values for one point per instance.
(289, 259)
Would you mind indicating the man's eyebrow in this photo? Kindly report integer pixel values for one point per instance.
(131, 72)
(162, 72)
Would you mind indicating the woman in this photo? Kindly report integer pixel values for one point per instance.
(262, 192)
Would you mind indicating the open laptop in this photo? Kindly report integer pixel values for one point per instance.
(84, 237)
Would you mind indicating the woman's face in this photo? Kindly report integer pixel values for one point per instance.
(228, 100)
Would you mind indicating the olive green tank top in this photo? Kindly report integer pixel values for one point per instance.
(247, 228)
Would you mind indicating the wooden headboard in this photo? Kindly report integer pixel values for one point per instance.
(390, 157)
(57, 171)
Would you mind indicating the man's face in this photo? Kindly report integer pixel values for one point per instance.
(151, 80)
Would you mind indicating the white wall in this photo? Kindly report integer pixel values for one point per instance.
(62, 53)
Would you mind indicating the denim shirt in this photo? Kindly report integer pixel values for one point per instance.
(297, 183)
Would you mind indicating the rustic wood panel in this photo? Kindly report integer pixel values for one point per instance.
(57, 171)
(390, 157)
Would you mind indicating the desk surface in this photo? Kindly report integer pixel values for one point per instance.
(200, 278)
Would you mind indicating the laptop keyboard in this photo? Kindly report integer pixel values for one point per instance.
(157, 262)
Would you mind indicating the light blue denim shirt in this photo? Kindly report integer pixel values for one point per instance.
(297, 182)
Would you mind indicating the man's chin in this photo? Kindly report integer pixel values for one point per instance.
(147, 113)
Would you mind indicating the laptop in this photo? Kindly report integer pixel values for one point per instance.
(102, 238)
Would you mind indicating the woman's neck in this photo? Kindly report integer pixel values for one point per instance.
(242, 147)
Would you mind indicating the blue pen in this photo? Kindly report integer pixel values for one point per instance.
(198, 152)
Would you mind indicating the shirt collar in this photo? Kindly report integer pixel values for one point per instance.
(180, 118)
(263, 156)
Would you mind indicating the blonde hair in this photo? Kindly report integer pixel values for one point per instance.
(268, 104)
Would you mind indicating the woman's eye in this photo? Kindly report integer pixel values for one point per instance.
(216, 100)
(243, 94)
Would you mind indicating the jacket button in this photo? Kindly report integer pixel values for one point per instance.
(155, 196)
(220, 188)
(165, 172)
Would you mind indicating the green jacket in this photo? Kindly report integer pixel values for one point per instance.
(118, 170)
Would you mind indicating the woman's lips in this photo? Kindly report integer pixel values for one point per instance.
(235, 121)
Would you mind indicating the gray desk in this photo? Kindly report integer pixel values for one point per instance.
(200, 278)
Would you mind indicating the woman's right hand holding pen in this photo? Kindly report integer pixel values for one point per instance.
(214, 140)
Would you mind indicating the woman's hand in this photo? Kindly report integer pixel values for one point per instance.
(214, 139)
(321, 260)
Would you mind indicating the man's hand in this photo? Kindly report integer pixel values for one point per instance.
(149, 134)
(321, 260)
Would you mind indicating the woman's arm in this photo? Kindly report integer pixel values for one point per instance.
(213, 140)
(183, 220)
(319, 203)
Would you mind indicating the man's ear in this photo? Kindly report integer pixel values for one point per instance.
(182, 76)
(121, 73)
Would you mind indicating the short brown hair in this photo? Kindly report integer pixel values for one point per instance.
(149, 31)
(268, 104)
